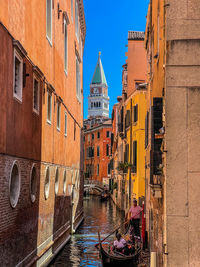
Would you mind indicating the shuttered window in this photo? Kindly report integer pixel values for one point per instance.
(147, 129)
(135, 113)
(134, 156)
(126, 157)
(107, 150)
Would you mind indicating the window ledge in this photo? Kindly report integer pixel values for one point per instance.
(36, 111)
(16, 97)
(50, 41)
(49, 122)
(58, 129)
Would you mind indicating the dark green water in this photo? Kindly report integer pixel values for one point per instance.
(80, 251)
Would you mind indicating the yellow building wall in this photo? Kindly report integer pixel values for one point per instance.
(138, 134)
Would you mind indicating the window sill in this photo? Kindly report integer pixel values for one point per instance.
(65, 71)
(58, 129)
(17, 98)
(35, 111)
(49, 122)
(50, 41)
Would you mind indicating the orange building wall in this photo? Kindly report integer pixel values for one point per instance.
(136, 64)
(28, 25)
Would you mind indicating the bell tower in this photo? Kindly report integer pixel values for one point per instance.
(98, 100)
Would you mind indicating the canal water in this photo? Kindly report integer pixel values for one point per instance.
(81, 251)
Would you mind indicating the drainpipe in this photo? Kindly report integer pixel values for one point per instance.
(131, 127)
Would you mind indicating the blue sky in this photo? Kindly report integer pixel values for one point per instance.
(108, 23)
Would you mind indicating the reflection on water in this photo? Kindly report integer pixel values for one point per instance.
(80, 251)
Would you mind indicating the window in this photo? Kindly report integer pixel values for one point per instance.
(64, 182)
(76, 20)
(78, 80)
(90, 152)
(72, 11)
(47, 183)
(147, 130)
(83, 139)
(17, 76)
(108, 168)
(135, 113)
(49, 102)
(107, 134)
(65, 46)
(97, 169)
(65, 124)
(57, 181)
(58, 116)
(107, 150)
(98, 151)
(92, 136)
(49, 20)
(134, 156)
(126, 153)
(14, 185)
(98, 135)
(92, 105)
(36, 95)
(88, 137)
(33, 184)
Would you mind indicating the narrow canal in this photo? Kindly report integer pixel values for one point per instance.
(80, 251)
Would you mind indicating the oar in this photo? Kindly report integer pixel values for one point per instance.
(115, 230)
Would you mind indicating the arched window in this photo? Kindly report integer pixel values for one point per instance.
(33, 184)
(64, 182)
(14, 186)
(47, 183)
(57, 181)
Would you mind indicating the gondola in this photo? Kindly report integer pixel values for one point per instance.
(112, 260)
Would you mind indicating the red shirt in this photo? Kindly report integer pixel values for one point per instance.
(135, 212)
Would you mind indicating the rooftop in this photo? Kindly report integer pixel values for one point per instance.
(133, 35)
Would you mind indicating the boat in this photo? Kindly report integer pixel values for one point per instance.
(109, 259)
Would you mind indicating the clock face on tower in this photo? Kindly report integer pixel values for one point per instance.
(95, 90)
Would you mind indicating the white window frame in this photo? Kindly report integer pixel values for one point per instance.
(65, 47)
(76, 20)
(47, 185)
(49, 38)
(58, 115)
(32, 193)
(14, 199)
(78, 80)
(18, 95)
(72, 10)
(57, 181)
(49, 120)
(38, 98)
(65, 124)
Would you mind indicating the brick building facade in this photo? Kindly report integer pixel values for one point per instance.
(97, 151)
(41, 171)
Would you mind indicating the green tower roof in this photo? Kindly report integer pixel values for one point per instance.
(99, 75)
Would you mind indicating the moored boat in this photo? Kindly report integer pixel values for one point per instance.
(113, 260)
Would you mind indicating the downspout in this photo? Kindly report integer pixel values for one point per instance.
(131, 127)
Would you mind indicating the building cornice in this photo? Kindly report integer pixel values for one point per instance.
(82, 20)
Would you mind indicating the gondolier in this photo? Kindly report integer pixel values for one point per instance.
(134, 215)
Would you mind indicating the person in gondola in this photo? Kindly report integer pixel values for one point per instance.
(134, 215)
(119, 243)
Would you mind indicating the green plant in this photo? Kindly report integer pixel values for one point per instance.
(122, 166)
